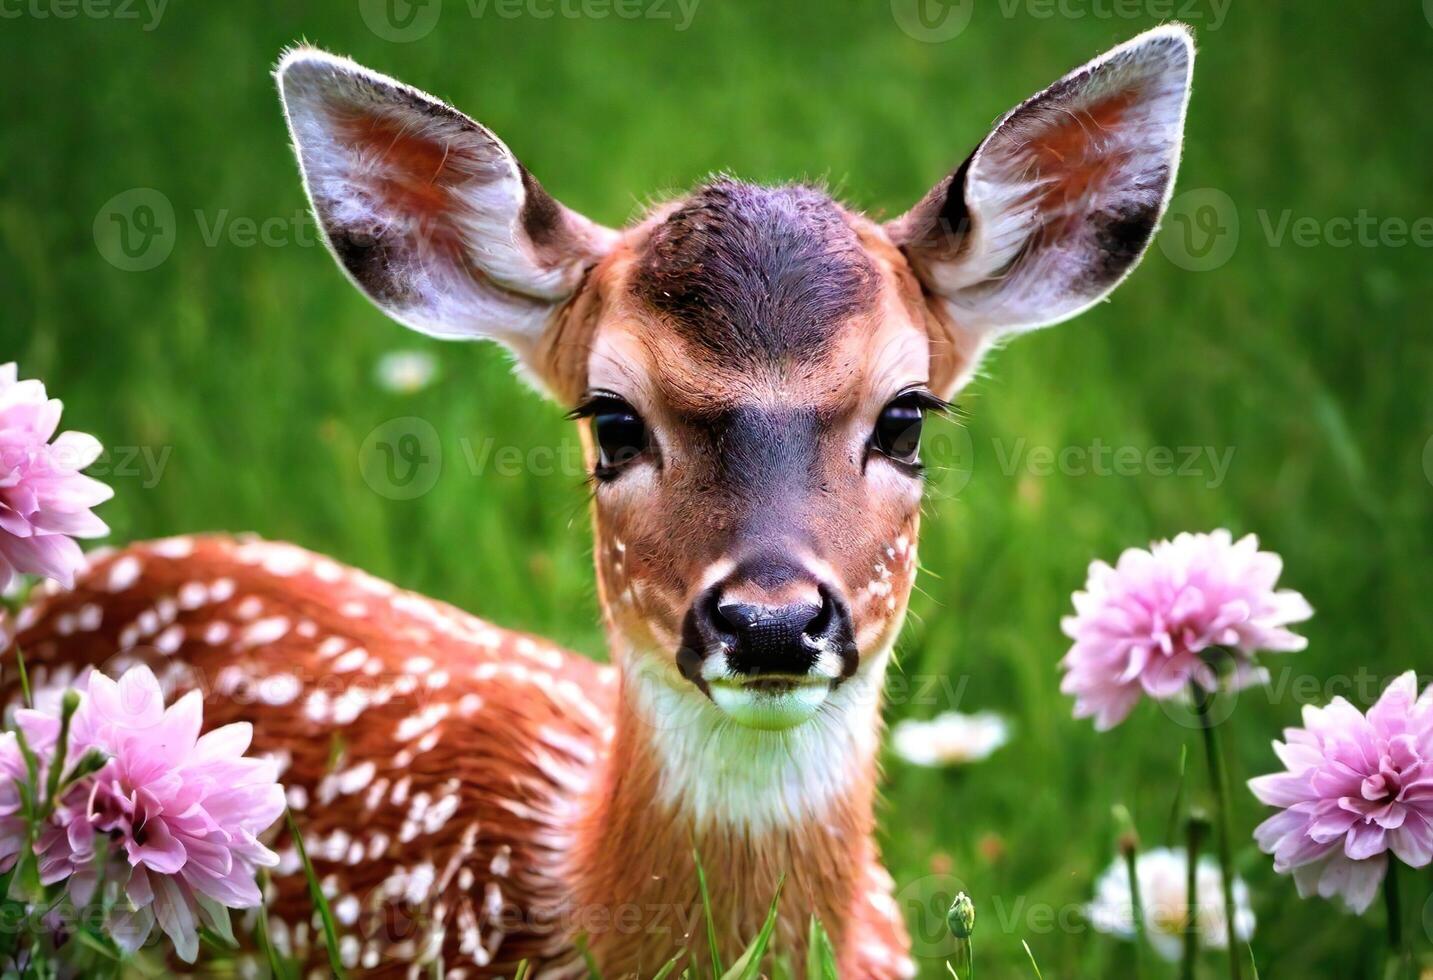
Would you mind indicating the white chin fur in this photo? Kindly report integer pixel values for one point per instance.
(722, 768)
(768, 710)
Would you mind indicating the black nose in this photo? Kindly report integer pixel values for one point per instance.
(773, 638)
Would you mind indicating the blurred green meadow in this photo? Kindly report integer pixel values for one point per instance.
(1266, 369)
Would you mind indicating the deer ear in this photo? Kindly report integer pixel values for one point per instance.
(1056, 205)
(427, 211)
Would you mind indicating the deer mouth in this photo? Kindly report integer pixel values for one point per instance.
(770, 702)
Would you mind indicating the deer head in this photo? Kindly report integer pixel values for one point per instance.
(751, 364)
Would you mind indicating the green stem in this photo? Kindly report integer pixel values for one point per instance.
(1131, 856)
(1194, 840)
(1398, 953)
(1203, 700)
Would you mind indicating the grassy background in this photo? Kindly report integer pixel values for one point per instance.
(252, 366)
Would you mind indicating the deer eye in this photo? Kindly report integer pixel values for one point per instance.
(898, 429)
(618, 431)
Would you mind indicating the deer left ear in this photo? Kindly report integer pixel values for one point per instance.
(1056, 205)
(431, 216)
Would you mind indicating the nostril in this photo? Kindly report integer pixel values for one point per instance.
(823, 622)
(724, 619)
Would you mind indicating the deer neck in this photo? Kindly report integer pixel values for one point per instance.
(756, 806)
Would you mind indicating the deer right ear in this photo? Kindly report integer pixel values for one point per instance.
(1055, 206)
(431, 216)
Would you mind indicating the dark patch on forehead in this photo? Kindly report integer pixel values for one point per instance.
(757, 272)
(762, 450)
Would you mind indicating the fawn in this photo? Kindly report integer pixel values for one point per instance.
(752, 365)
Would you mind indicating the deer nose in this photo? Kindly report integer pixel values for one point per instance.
(781, 638)
(772, 639)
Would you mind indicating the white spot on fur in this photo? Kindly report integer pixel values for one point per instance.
(123, 574)
(264, 631)
(350, 661)
(170, 640)
(192, 595)
(280, 689)
(90, 617)
(173, 547)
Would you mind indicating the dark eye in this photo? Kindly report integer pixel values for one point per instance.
(619, 433)
(898, 430)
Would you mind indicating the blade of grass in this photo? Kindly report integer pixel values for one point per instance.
(820, 957)
(24, 677)
(92, 942)
(1035, 966)
(748, 967)
(1176, 810)
(593, 973)
(320, 901)
(261, 932)
(669, 966)
(717, 969)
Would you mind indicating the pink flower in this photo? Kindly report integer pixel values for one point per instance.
(1157, 621)
(183, 811)
(44, 499)
(1356, 787)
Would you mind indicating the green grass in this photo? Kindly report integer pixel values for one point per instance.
(251, 366)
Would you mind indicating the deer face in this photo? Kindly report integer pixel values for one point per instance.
(755, 396)
(751, 365)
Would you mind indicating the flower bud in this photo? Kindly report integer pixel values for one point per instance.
(961, 917)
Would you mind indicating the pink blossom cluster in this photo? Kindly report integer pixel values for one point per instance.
(1161, 620)
(1356, 788)
(174, 815)
(45, 501)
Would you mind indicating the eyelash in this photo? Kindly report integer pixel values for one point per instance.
(893, 430)
(622, 441)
